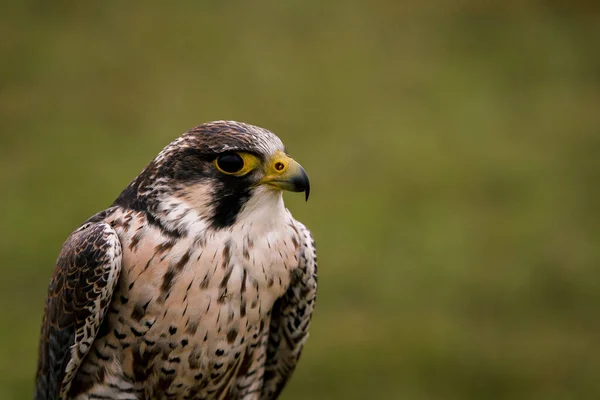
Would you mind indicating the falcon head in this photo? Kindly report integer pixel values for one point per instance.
(220, 169)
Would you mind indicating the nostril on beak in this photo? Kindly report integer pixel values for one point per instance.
(279, 166)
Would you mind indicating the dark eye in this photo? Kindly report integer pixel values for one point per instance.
(230, 163)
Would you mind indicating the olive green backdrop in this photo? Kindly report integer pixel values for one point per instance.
(454, 153)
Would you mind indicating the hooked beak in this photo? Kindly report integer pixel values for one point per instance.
(284, 173)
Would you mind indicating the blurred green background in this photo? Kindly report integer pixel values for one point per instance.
(453, 149)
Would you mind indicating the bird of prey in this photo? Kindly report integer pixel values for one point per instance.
(197, 283)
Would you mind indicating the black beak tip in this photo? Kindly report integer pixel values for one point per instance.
(302, 184)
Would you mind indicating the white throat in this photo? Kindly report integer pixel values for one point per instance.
(264, 209)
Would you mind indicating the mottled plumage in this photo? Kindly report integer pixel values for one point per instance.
(197, 283)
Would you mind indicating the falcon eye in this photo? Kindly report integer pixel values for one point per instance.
(230, 163)
(237, 163)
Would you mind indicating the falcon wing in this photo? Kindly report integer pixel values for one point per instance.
(80, 291)
(290, 320)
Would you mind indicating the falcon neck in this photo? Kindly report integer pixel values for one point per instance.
(192, 213)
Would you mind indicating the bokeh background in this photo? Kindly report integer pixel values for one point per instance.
(453, 149)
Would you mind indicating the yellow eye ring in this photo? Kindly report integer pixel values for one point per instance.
(236, 163)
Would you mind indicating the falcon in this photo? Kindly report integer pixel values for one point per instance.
(197, 283)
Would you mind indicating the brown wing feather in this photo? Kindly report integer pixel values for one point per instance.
(86, 273)
(290, 321)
